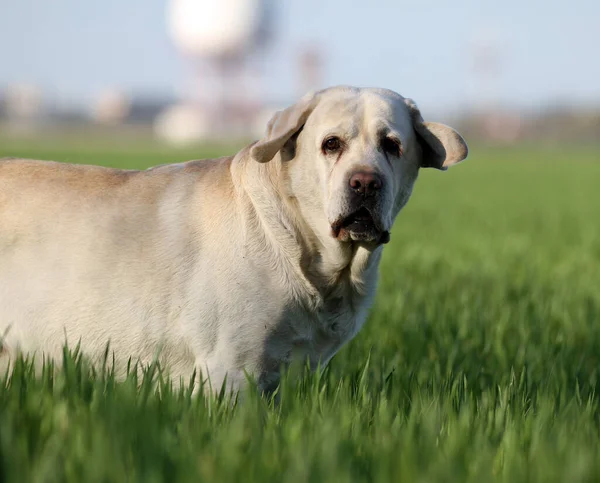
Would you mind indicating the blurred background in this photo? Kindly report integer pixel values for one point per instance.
(178, 72)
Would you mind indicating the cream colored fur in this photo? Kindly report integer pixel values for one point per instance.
(225, 265)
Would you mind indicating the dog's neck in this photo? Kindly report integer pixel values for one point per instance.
(316, 264)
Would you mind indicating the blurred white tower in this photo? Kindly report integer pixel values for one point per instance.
(488, 62)
(216, 37)
(486, 65)
(310, 63)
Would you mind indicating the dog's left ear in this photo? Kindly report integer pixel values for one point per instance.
(281, 127)
(441, 145)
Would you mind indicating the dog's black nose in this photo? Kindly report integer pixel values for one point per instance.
(366, 183)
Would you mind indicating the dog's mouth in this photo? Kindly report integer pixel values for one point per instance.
(359, 226)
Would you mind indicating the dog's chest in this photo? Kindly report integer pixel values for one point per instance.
(335, 322)
(337, 316)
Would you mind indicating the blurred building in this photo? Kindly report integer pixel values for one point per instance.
(22, 105)
(23, 102)
(111, 107)
(116, 107)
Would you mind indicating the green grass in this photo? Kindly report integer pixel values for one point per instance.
(480, 361)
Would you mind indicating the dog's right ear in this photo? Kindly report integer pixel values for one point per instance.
(281, 127)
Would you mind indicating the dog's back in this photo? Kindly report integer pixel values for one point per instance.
(95, 254)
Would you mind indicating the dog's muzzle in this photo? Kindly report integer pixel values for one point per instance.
(363, 222)
(360, 225)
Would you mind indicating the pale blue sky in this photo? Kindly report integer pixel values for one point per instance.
(550, 49)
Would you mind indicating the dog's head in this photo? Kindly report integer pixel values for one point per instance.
(353, 156)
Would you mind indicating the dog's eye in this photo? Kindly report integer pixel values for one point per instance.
(332, 145)
(391, 146)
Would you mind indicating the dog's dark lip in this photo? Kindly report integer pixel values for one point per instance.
(385, 237)
(364, 216)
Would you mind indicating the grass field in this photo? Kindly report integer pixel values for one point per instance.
(480, 361)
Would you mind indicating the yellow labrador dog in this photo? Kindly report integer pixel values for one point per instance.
(226, 266)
